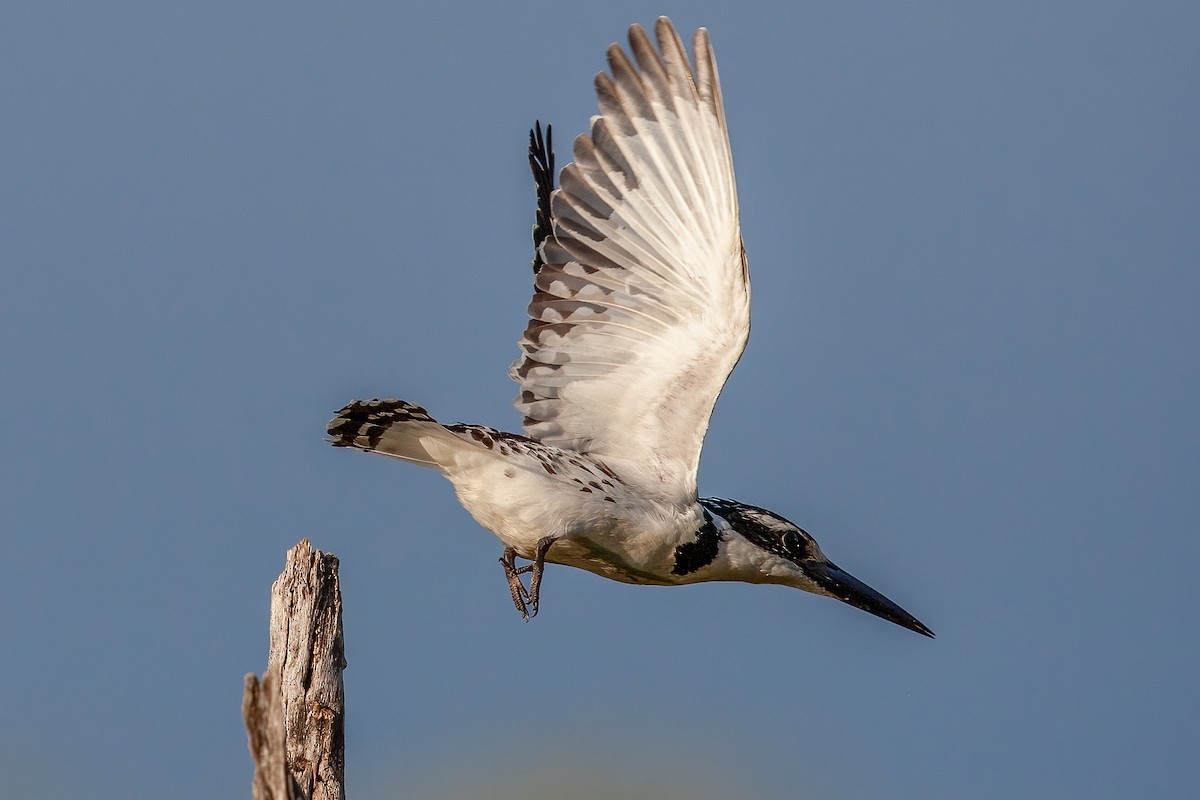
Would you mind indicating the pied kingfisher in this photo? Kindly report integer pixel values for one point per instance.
(641, 308)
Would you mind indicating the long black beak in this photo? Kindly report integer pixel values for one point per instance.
(849, 589)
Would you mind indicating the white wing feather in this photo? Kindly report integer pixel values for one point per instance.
(641, 308)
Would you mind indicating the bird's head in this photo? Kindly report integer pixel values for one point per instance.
(764, 547)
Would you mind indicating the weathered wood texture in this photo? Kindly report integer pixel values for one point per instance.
(294, 716)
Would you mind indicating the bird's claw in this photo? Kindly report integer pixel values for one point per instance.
(526, 599)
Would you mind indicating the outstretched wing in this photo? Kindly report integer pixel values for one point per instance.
(641, 304)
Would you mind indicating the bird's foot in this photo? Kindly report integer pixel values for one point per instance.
(512, 572)
(526, 599)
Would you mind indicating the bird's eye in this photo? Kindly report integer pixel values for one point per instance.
(795, 545)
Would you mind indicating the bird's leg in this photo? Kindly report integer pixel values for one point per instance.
(539, 562)
(513, 573)
(526, 600)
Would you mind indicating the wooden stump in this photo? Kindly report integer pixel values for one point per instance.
(294, 716)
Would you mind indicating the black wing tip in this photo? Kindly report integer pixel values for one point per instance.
(541, 163)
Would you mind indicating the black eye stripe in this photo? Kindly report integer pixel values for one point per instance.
(794, 543)
(763, 528)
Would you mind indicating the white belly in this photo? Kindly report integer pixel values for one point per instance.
(599, 525)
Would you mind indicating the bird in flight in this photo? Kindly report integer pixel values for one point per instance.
(641, 308)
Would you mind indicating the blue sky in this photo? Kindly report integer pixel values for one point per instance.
(974, 243)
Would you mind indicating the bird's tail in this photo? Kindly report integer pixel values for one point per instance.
(390, 427)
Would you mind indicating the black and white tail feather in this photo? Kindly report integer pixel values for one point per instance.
(388, 427)
(640, 311)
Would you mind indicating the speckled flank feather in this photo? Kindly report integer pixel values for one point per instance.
(641, 305)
